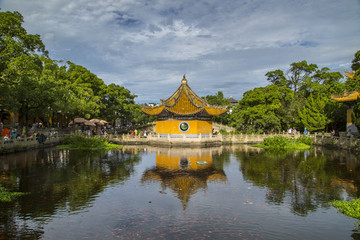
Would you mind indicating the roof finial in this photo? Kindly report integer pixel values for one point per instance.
(184, 80)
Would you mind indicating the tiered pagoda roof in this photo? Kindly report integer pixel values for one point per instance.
(347, 97)
(184, 102)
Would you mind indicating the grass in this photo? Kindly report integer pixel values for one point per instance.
(351, 209)
(6, 196)
(280, 142)
(78, 142)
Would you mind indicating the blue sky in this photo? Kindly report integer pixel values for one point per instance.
(221, 45)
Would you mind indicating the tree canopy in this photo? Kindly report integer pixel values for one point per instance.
(35, 86)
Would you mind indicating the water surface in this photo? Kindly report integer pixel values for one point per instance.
(178, 193)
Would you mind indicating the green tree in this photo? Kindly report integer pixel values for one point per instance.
(262, 109)
(355, 115)
(356, 61)
(219, 100)
(299, 72)
(277, 77)
(353, 82)
(14, 40)
(79, 86)
(115, 100)
(313, 115)
(29, 90)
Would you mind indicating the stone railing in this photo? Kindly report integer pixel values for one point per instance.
(17, 144)
(188, 139)
(341, 141)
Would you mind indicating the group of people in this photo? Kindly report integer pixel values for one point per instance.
(9, 134)
(292, 131)
(136, 133)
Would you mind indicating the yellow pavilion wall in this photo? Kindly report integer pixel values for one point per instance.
(348, 116)
(172, 126)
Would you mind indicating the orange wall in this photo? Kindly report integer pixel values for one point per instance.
(172, 126)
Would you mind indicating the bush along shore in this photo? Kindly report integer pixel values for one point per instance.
(78, 142)
(280, 142)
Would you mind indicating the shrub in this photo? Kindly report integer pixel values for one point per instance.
(81, 142)
(306, 140)
(276, 142)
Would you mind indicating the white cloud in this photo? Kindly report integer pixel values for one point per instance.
(146, 46)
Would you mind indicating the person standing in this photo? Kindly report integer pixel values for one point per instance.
(305, 132)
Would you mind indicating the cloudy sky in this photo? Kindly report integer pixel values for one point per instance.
(221, 45)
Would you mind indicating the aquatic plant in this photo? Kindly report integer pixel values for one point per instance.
(6, 196)
(78, 142)
(281, 142)
(351, 209)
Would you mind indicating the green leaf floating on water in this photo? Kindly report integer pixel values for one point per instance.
(6, 196)
(351, 209)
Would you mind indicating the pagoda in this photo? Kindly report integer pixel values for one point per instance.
(184, 112)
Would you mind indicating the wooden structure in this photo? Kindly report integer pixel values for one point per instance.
(184, 112)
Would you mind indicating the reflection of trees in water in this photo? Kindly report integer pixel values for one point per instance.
(310, 178)
(55, 180)
(221, 159)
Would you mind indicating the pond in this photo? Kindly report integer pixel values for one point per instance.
(236, 192)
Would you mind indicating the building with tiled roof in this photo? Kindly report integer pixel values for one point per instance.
(349, 99)
(184, 112)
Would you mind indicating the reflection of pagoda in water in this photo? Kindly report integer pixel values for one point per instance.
(184, 171)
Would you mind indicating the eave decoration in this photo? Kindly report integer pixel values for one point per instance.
(184, 102)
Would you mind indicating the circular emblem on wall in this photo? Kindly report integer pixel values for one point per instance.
(184, 126)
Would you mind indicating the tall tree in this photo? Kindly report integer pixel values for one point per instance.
(14, 39)
(356, 61)
(353, 81)
(312, 115)
(262, 109)
(115, 100)
(29, 89)
(219, 100)
(277, 77)
(298, 72)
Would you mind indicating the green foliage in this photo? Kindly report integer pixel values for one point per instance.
(6, 196)
(84, 143)
(313, 115)
(277, 77)
(351, 209)
(298, 72)
(281, 142)
(219, 100)
(262, 109)
(355, 115)
(276, 142)
(34, 85)
(224, 132)
(353, 83)
(356, 62)
(305, 140)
